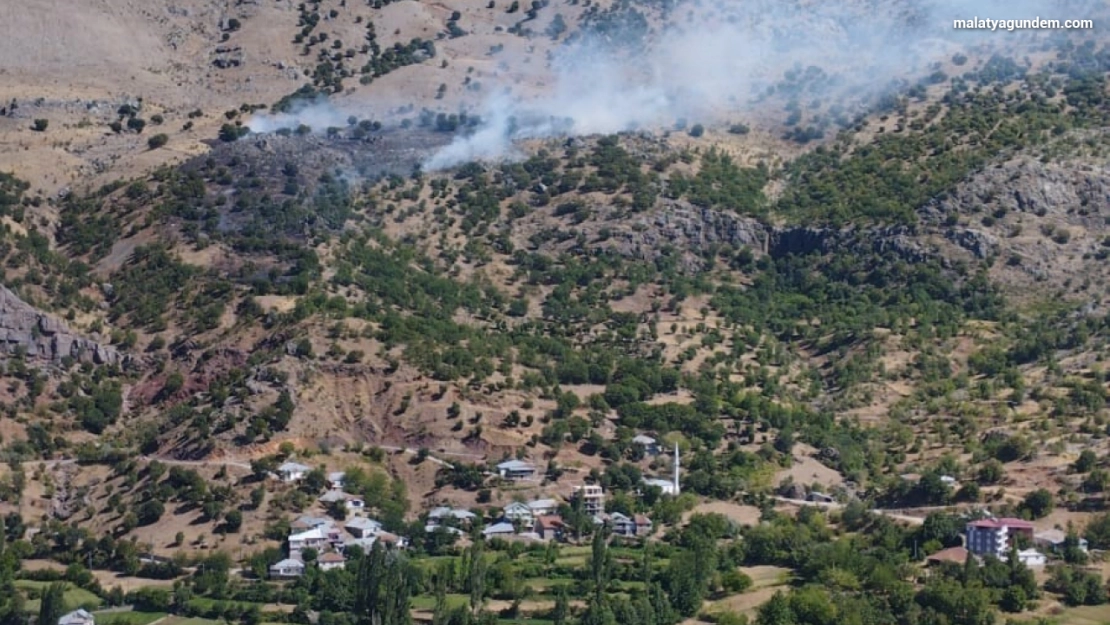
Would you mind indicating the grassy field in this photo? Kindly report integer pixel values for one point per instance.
(428, 602)
(204, 603)
(74, 597)
(128, 618)
(541, 584)
(1082, 615)
(182, 620)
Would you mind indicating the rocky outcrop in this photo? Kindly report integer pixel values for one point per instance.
(979, 243)
(1047, 223)
(44, 337)
(693, 229)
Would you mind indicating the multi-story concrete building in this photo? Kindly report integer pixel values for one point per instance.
(992, 536)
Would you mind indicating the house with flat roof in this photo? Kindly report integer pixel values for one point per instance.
(592, 496)
(516, 470)
(315, 538)
(1032, 558)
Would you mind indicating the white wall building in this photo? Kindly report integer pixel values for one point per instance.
(292, 471)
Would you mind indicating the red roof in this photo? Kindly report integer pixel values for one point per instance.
(553, 520)
(1007, 522)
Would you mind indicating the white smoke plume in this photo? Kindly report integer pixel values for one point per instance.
(714, 62)
(315, 114)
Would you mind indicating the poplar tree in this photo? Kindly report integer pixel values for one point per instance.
(384, 588)
(52, 606)
(476, 574)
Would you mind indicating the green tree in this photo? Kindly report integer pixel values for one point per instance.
(149, 512)
(991, 472)
(562, 607)
(52, 605)
(1039, 503)
(233, 520)
(1085, 462)
(383, 588)
(476, 574)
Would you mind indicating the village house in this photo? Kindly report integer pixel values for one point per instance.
(393, 540)
(292, 471)
(517, 512)
(315, 538)
(593, 498)
(336, 480)
(550, 527)
(350, 502)
(361, 527)
(303, 523)
(992, 536)
(650, 445)
(503, 528)
(955, 555)
(1054, 540)
(364, 543)
(624, 525)
(77, 617)
(430, 528)
(516, 470)
(543, 507)
(288, 568)
(331, 560)
(442, 514)
(1031, 558)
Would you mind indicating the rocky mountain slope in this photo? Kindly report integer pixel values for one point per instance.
(916, 286)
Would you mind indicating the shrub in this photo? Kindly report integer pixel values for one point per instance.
(150, 512)
(158, 141)
(41, 124)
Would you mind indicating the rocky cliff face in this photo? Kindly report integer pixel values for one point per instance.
(693, 229)
(45, 337)
(1045, 223)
